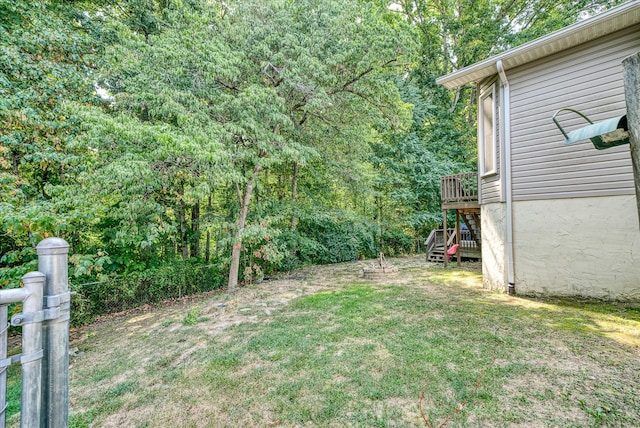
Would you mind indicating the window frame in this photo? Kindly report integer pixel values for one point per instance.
(489, 91)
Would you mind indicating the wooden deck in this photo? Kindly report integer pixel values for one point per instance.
(460, 192)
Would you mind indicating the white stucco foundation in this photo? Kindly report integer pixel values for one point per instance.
(492, 218)
(580, 247)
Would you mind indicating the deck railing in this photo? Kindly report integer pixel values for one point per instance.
(459, 188)
(436, 240)
(467, 241)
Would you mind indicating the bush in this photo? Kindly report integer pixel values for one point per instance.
(172, 280)
(327, 237)
(395, 242)
(260, 255)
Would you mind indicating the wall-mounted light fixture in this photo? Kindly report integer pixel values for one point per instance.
(608, 133)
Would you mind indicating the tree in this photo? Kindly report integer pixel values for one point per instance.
(327, 66)
(442, 139)
(44, 59)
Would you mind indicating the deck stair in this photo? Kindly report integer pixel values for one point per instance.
(459, 193)
(435, 245)
(472, 220)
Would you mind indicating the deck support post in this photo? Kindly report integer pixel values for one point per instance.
(458, 241)
(446, 238)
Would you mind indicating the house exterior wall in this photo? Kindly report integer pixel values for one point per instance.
(577, 246)
(492, 219)
(587, 78)
(574, 212)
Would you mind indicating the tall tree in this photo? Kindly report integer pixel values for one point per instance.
(323, 70)
(45, 55)
(453, 34)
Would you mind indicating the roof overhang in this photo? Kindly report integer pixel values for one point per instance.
(614, 19)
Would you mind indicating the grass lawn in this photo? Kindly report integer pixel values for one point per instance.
(325, 347)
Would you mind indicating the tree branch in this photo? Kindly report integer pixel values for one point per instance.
(359, 76)
(228, 86)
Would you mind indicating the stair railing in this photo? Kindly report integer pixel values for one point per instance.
(452, 237)
(430, 243)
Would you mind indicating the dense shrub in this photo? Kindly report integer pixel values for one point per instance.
(395, 242)
(260, 254)
(152, 285)
(329, 237)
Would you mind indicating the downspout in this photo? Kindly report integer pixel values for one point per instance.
(506, 120)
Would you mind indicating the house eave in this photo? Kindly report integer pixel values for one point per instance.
(600, 25)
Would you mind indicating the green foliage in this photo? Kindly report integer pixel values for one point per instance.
(43, 63)
(193, 316)
(328, 237)
(396, 242)
(172, 280)
(147, 131)
(261, 254)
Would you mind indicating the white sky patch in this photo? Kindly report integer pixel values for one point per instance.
(103, 93)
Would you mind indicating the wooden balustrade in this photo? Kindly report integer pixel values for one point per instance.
(459, 188)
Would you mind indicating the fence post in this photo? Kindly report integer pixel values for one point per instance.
(32, 353)
(52, 261)
(4, 328)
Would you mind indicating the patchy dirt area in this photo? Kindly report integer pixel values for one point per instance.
(115, 349)
(222, 309)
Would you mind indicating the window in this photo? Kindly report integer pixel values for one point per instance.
(487, 132)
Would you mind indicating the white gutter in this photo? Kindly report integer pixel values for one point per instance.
(506, 120)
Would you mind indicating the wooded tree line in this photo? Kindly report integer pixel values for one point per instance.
(247, 136)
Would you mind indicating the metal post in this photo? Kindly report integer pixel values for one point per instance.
(31, 352)
(52, 261)
(458, 240)
(12, 295)
(31, 296)
(4, 327)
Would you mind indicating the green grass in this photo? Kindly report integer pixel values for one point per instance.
(347, 353)
(362, 353)
(14, 389)
(192, 317)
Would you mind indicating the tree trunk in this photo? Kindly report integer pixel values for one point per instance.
(631, 73)
(294, 195)
(207, 251)
(280, 186)
(195, 230)
(242, 218)
(378, 218)
(184, 244)
(207, 248)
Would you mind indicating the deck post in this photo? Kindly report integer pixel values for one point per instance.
(631, 73)
(458, 241)
(446, 238)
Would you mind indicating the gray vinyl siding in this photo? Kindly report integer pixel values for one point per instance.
(587, 78)
(491, 184)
